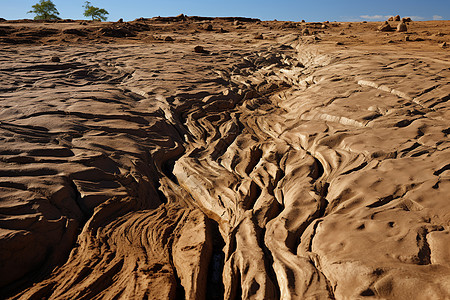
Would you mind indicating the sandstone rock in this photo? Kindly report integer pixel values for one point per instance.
(258, 36)
(397, 18)
(401, 27)
(199, 49)
(385, 27)
(305, 31)
(391, 19)
(181, 17)
(406, 19)
(208, 27)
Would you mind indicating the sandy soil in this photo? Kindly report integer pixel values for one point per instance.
(271, 162)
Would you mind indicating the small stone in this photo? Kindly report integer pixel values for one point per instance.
(391, 19)
(303, 21)
(401, 27)
(56, 59)
(339, 43)
(407, 19)
(120, 20)
(223, 30)
(168, 39)
(208, 27)
(199, 49)
(259, 36)
(324, 26)
(407, 38)
(397, 18)
(385, 27)
(443, 45)
(305, 31)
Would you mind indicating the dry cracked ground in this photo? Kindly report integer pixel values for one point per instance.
(271, 165)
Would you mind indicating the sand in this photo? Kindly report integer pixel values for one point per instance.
(271, 162)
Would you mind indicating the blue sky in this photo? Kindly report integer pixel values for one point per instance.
(290, 10)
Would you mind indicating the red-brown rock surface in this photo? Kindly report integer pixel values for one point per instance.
(292, 167)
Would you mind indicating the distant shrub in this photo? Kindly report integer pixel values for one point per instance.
(95, 13)
(45, 10)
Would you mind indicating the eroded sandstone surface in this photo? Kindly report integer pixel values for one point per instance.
(270, 165)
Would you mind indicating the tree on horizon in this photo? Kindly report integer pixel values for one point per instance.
(45, 10)
(96, 13)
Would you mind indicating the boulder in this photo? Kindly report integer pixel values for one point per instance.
(407, 19)
(55, 59)
(385, 27)
(305, 31)
(199, 49)
(397, 18)
(391, 19)
(401, 27)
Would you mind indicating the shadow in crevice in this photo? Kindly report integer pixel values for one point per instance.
(214, 287)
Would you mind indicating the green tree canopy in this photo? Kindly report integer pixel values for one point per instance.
(96, 13)
(44, 10)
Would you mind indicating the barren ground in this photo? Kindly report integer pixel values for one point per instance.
(270, 165)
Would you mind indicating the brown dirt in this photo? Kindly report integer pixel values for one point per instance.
(277, 162)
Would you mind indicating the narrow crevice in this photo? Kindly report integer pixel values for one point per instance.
(361, 166)
(268, 263)
(180, 294)
(84, 209)
(214, 286)
(424, 248)
(167, 169)
(442, 170)
(382, 201)
(255, 157)
(238, 287)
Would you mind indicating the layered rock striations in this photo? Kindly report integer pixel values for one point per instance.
(274, 168)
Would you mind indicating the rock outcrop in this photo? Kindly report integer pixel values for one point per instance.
(281, 168)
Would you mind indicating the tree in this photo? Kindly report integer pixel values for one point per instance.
(45, 10)
(96, 13)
